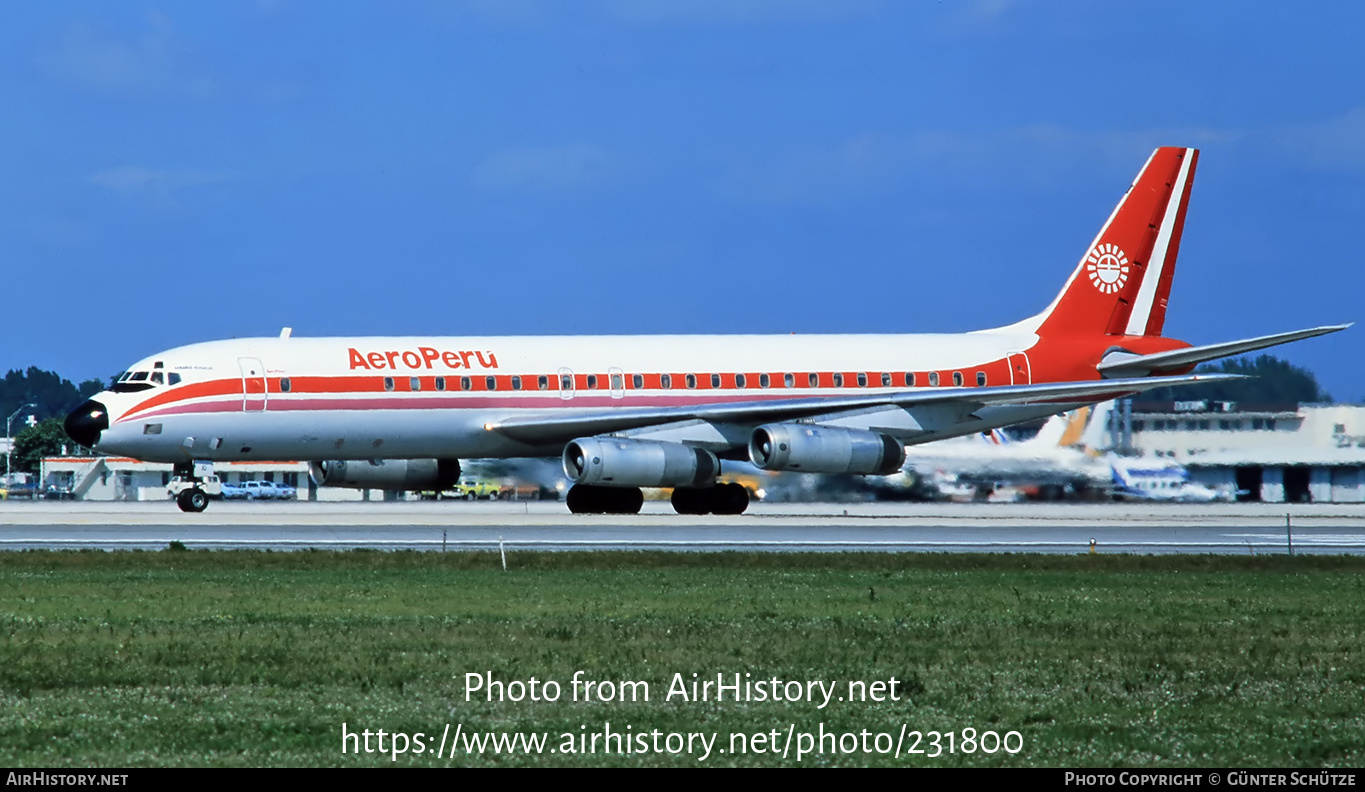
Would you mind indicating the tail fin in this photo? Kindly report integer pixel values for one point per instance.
(1123, 282)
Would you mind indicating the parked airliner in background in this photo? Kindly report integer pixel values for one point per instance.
(625, 412)
(1055, 460)
(1147, 479)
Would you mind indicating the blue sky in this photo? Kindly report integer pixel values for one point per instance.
(178, 172)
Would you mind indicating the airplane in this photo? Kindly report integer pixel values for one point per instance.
(1051, 459)
(1146, 479)
(625, 412)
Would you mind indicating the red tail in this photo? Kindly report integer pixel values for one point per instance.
(1124, 279)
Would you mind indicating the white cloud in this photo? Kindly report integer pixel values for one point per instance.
(1335, 144)
(733, 11)
(575, 166)
(157, 188)
(1038, 155)
(155, 62)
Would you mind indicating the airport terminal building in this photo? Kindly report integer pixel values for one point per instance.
(108, 478)
(1276, 453)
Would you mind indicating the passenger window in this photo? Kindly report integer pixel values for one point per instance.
(285, 385)
(957, 378)
(933, 379)
(415, 383)
(543, 382)
(838, 380)
(813, 379)
(516, 383)
(157, 378)
(465, 383)
(666, 381)
(566, 382)
(618, 382)
(789, 380)
(862, 379)
(909, 379)
(740, 381)
(592, 381)
(981, 379)
(440, 383)
(172, 379)
(388, 383)
(763, 380)
(491, 383)
(637, 381)
(715, 383)
(886, 379)
(691, 380)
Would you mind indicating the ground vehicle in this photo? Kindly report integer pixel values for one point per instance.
(262, 490)
(477, 489)
(233, 492)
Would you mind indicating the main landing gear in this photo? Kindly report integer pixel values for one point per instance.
(719, 499)
(729, 498)
(590, 499)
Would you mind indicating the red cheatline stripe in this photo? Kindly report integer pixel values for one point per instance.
(226, 395)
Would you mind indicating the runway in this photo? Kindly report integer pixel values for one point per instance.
(454, 525)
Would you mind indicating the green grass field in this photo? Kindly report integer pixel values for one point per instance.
(255, 658)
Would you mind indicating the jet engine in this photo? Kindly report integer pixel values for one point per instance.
(615, 462)
(824, 449)
(392, 474)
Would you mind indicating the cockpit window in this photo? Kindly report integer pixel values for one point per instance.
(172, 378)
(157, 377)
(125, 375)
(139, 376)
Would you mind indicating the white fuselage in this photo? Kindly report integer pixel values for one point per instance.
(414, 397)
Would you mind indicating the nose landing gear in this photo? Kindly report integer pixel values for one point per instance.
(193, 484)
(192, 500)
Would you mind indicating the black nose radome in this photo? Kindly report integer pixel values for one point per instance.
(85, 423)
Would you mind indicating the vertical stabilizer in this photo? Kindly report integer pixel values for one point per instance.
(1123, 281)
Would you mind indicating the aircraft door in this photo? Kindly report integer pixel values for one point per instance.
(253, 384)
(1020, 373)
(565, 384)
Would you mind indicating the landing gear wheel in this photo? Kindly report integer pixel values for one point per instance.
(730, 498)
(192, 500)
(589, 499)
(691, 500)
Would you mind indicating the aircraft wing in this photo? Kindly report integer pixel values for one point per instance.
(550, 428)
(1123, 364)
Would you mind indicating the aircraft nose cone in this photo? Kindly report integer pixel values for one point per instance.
(85, 423)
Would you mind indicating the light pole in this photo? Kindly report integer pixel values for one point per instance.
(7, 440)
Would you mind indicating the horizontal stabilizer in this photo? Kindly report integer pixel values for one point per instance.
(1123, 364)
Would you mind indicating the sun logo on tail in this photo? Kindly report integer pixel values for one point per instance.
(1108, 268)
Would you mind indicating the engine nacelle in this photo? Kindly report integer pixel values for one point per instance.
(638, 463)
(390, 474)
(824, 449)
